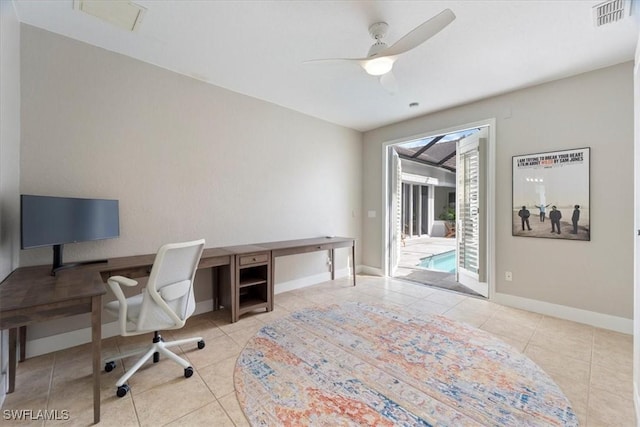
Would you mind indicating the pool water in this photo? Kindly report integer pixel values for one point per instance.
(445, 261)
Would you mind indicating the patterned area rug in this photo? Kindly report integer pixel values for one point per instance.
(356, 364)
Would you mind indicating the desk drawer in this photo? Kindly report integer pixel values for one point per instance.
(254, 259)
(130, 272)
(302, 249)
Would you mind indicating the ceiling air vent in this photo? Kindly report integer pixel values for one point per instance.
(123, 14)
(610, 12)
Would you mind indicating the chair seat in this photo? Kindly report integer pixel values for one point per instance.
(134, 304)
(156, 321)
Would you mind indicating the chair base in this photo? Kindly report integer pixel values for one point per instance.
(159, 347)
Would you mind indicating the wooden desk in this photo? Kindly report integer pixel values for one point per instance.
(232, 256)
(253, 256)
(31, 294)
(300, 246)
(140, 266)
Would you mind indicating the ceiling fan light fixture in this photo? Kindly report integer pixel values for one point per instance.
(378, 66)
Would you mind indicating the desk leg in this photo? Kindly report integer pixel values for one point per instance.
(13, 333)
(332, 258)
(353, 262)
(22, 336)
(272, 281)
(96, 339)
(234, 290)
(215, 287)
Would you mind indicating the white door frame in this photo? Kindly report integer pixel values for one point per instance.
(490, 193)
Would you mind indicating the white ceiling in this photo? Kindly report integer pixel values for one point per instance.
(257, 48)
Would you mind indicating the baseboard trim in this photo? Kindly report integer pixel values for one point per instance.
(600, 320)
(40, 346)
(636, 400)
(372, 271)
(292, 285)
(4, 385)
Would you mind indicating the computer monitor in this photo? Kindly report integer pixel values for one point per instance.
(55, 221)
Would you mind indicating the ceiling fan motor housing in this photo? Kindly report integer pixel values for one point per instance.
(377, 47)
(378, 31)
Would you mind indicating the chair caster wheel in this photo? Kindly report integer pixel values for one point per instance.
(201, 344)
(188, 372)
(109, 366)
(122, 390)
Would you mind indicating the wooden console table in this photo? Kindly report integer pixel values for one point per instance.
(30, 294)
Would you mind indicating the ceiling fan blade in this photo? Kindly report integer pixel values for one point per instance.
(420, 34)
(370, 65)
(358, 61)
(389, 82)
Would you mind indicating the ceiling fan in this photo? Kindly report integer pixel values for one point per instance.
(380, 59)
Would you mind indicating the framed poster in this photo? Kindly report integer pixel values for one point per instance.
(551, 195)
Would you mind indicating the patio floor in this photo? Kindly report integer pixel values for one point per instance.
(417, 248)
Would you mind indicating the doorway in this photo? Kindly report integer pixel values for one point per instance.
(437, 193)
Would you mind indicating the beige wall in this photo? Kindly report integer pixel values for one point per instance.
(589, 110)
(9, 156)
(185, 159)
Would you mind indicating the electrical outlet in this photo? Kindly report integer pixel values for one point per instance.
(508, 276)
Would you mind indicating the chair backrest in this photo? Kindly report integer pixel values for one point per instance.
(168, 300)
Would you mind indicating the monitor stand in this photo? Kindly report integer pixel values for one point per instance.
(59, 265)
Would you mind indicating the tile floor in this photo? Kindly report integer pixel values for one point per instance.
(592, 366)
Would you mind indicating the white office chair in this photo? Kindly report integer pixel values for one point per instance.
(166, 303)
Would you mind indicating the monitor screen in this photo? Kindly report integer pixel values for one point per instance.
(47, 221)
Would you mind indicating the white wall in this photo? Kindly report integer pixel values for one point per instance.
(184, 158)
(9, 156)
(589, 110)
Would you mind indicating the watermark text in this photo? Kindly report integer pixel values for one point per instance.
(35, 414)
